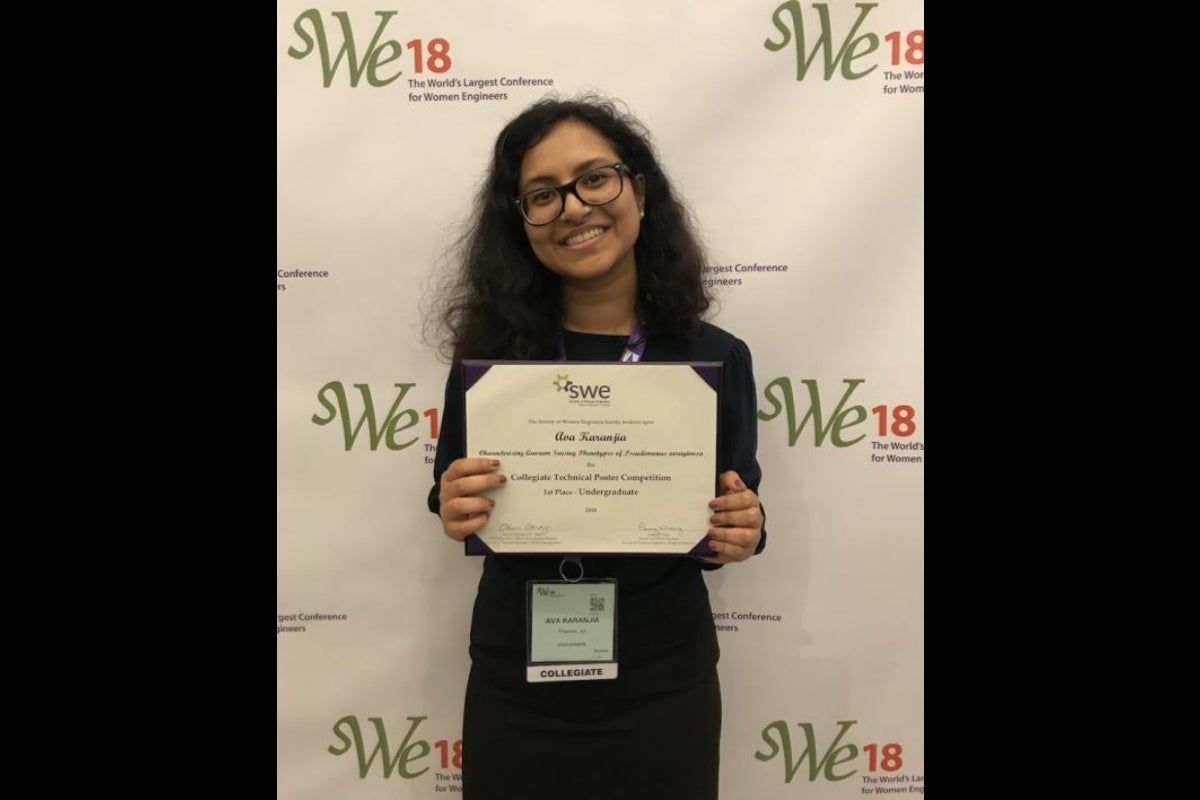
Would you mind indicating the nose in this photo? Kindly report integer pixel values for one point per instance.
(573, 207)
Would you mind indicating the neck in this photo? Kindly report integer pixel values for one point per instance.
(608, 308)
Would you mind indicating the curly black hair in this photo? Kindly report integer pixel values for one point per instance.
(502, 303)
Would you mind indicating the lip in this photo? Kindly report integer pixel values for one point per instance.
(580, 245)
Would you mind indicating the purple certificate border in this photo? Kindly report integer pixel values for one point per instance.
(473, 370)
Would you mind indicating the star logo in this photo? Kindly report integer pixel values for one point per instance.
(562, 383)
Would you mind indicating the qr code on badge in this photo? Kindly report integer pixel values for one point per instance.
(597, 603)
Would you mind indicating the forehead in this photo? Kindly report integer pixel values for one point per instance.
(567, 146)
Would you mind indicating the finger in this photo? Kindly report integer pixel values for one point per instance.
(729, 551)
(470, 485)
(734, 537)
(739, 518)
(734, 501)
(462, 467)
(462, 528)
(725, 553)
(730, 481)
(463, 507)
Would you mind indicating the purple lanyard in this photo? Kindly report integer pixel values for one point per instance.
(635, 346)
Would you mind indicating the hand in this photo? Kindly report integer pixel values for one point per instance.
(737, 521)
(462, 513)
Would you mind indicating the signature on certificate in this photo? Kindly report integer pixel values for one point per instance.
(532, 527)
(642, 526)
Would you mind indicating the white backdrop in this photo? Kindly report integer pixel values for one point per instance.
(821, 179)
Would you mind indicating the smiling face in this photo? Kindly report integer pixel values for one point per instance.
(586, 245)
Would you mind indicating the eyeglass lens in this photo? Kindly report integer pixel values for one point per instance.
(595, 188)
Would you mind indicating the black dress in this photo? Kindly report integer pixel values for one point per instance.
(654, 731)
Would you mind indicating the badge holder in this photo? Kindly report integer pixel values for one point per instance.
(571, 627)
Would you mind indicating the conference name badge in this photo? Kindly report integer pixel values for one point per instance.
(571, 630)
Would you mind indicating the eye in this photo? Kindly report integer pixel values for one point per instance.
(541, 197)
(597, 178)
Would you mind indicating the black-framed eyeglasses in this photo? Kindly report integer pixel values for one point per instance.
(594, 188)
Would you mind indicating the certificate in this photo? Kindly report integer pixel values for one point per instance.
(599, 457)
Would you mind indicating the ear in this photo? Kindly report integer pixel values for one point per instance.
(639, 192)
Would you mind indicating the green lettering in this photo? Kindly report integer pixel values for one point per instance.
(389, 764)
(376, 431)
(834, 755)
(370, 61)
(841, 418)
(797, 22)
(377, 61)
(846, 54)
(408, 414)
(785, 744)
(318, 27)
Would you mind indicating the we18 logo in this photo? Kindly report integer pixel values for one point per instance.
(409, 759)
(394, 430)
(841, 46)
(834, 762)
(432, 54)
(839, 425)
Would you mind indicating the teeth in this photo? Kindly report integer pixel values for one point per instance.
(591, 233)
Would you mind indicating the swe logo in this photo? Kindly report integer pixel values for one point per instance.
(585, 394)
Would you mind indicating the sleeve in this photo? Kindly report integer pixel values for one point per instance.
(451, 439)
(737, 445)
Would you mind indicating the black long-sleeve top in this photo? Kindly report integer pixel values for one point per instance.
(665, 630)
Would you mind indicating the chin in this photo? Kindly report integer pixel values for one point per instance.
(577, 272)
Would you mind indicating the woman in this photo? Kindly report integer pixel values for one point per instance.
(579, 250)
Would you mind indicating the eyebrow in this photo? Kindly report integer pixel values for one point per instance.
(579, 170)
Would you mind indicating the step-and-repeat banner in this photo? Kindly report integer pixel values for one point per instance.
(795, 132)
